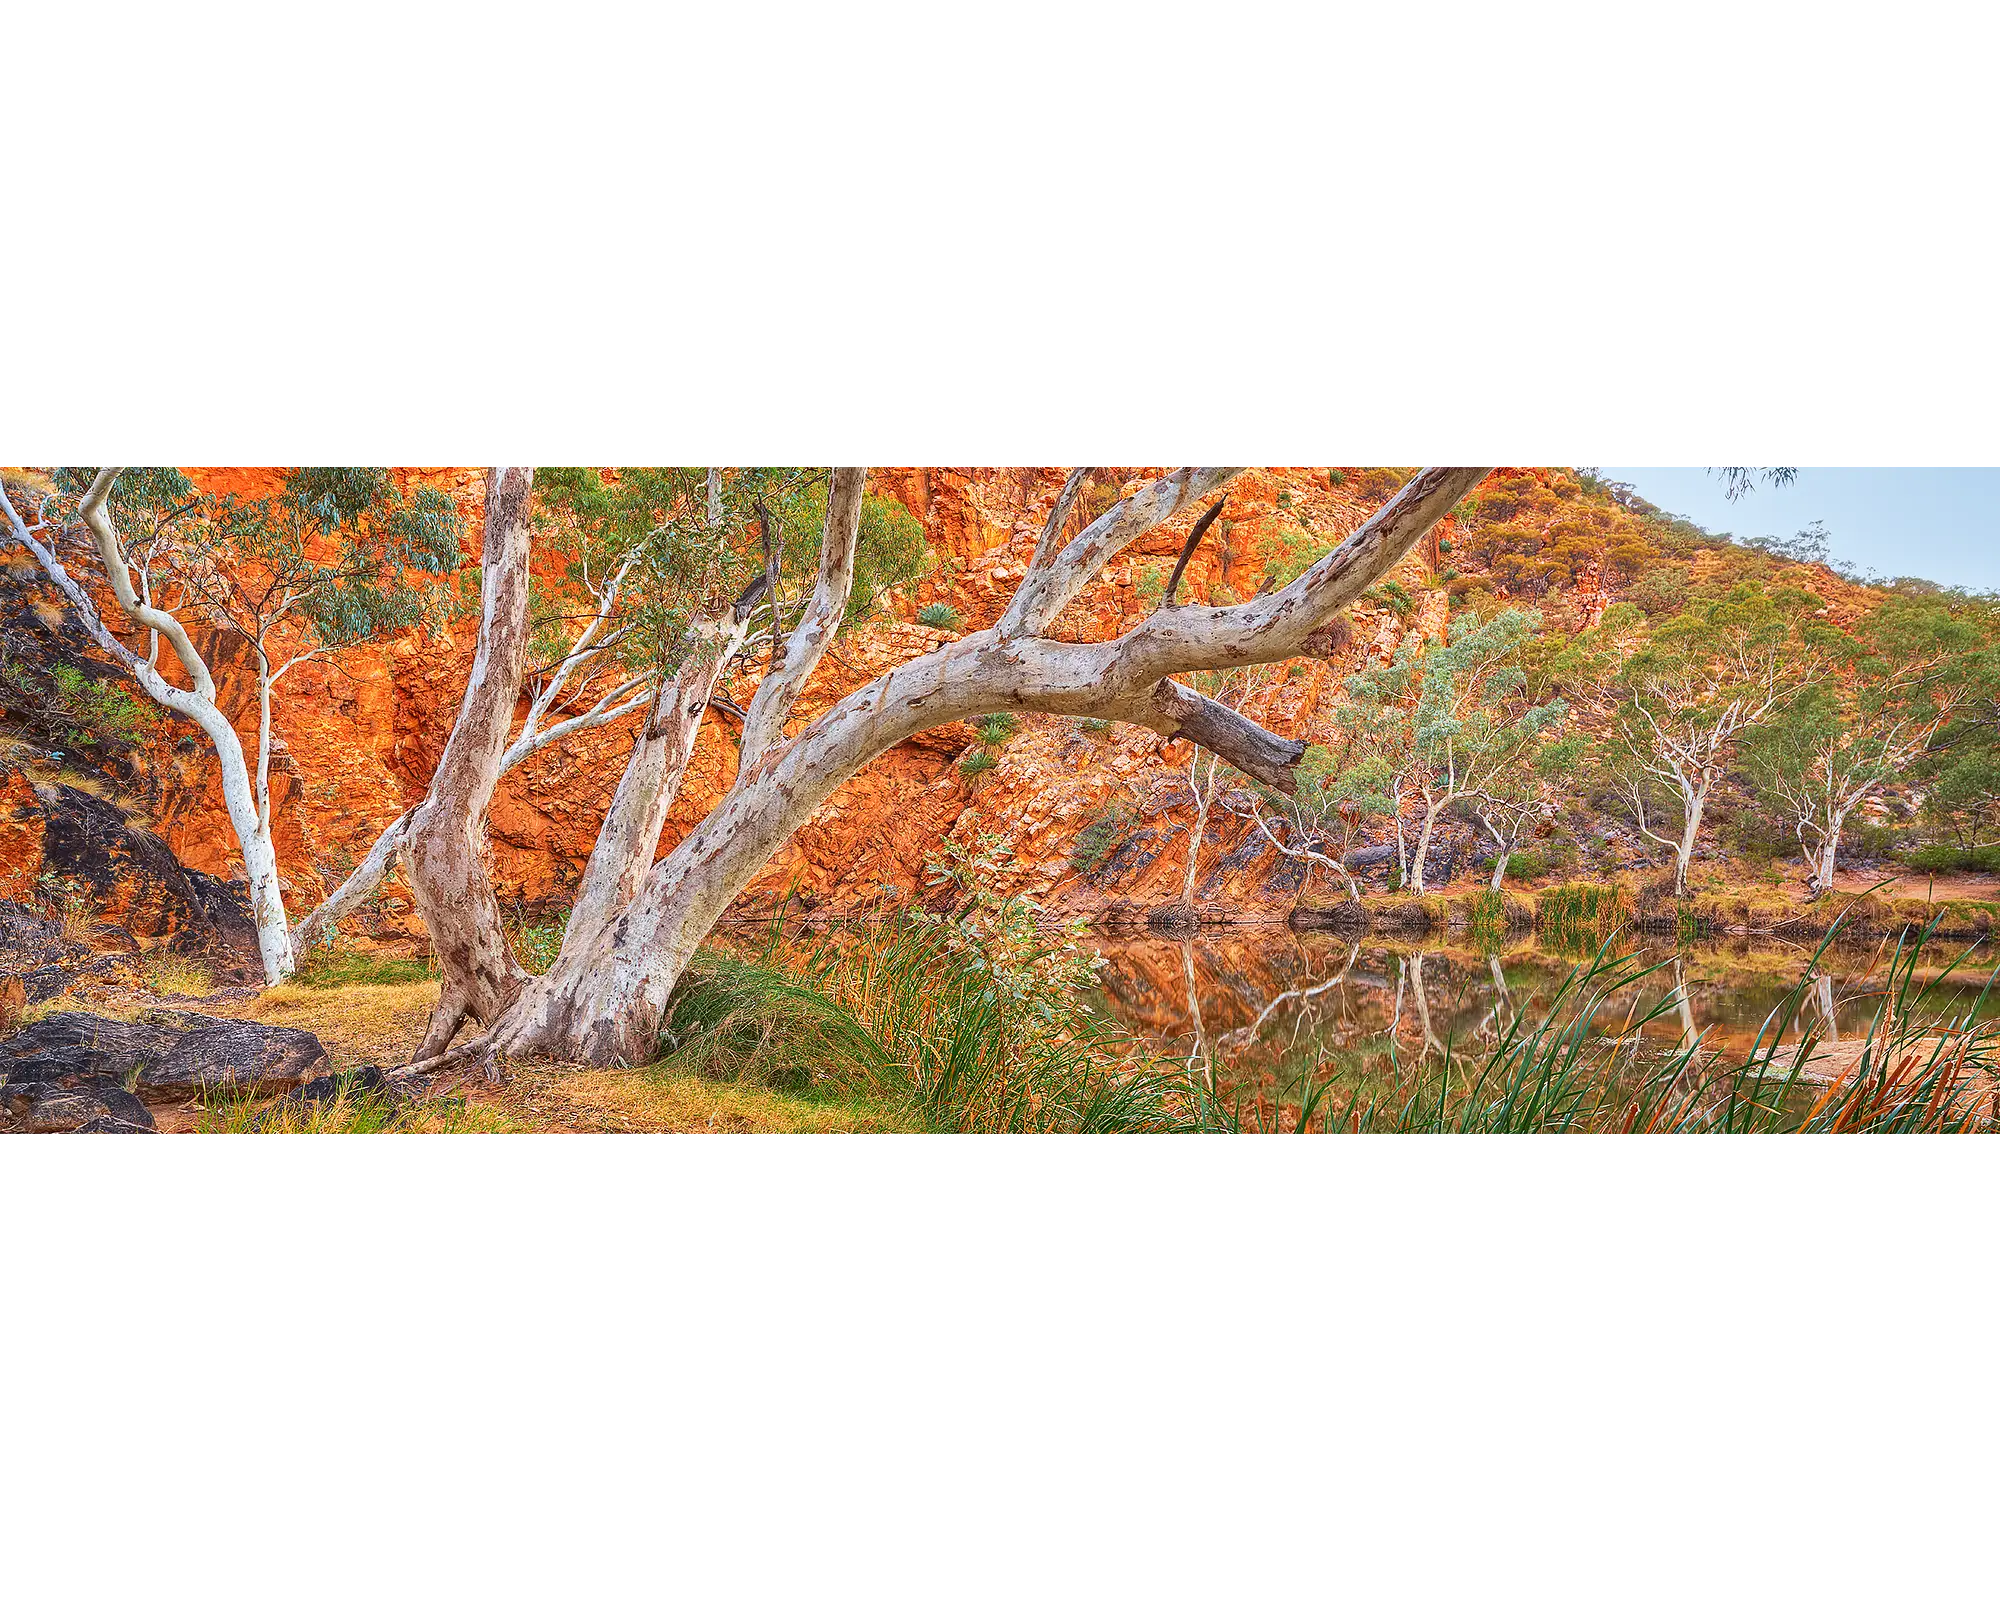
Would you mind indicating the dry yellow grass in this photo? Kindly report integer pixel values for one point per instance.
(172, 976)
(380, 1025)
(72, 778)
(365, 1025)
(619, 1100)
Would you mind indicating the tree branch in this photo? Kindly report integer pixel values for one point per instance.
(1187, 550)
(764, 723)
(1051, 536)
(1047, 589)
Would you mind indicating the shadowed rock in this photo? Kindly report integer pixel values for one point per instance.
(165, 1054)
(66, 1108)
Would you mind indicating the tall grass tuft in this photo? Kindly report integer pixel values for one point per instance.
(901, 1015)
(1486, 919)
(1576, 918)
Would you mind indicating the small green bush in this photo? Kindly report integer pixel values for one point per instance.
(1955, 858)
(1100, 836)
(978, 760)
(995, 728)
(939, 615)
(1392, 594)
(1094, 727)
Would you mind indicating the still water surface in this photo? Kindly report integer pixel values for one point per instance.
(1262, 1005)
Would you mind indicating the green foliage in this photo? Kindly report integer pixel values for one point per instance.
(1392, 594)
(1108, 827)
(331, 552)
(977, 761)
(1093, 727)
(1662, 592)
(90, 714)
(324, 968)
(1955, 858)
(1456, 713)
(995, 728)
(537, 943)
(890, 549)
(1578, 916)
(939, 615)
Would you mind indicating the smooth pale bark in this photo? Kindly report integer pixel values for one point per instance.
(603, 998)
(1431, 809)
(1503, 841)
(1050, 539)
(630, 836)
(1204, 798)
(1689, 759)
(764, 721)
(351, 895)
(445, 843)
(1057, 577)
(240, 795)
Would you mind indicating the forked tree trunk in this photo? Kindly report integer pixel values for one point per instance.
(1828, 855)
(445, 843)
(603, 999)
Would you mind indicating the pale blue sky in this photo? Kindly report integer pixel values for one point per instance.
(1941, 523)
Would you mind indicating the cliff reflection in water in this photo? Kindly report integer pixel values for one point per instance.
(1261, 1006)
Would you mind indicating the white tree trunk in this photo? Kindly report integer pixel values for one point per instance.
(196, 703)
(445, 842)
(1829, 854)
(1424, 844)
(630, 837)
(764, 722)
(1696, 802)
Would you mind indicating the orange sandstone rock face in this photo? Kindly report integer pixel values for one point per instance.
(360, 735)
(21, 833)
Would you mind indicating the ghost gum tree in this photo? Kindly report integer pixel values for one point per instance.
(1455, 722)
(1691, 693)
(1892, 686)
(601, 1000)
(313, 569)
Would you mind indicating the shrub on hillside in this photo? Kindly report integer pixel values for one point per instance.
(939, 615)
(1955, 858)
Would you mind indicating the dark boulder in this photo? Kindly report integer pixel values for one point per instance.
(112, 1125)
(33, 949)
(166, 1054)
(71, 1108)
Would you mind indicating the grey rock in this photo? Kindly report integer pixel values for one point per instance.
(164, 1053)
(70, 1108)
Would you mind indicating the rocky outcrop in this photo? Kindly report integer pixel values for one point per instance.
(97, 1105)
(158, 1054)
